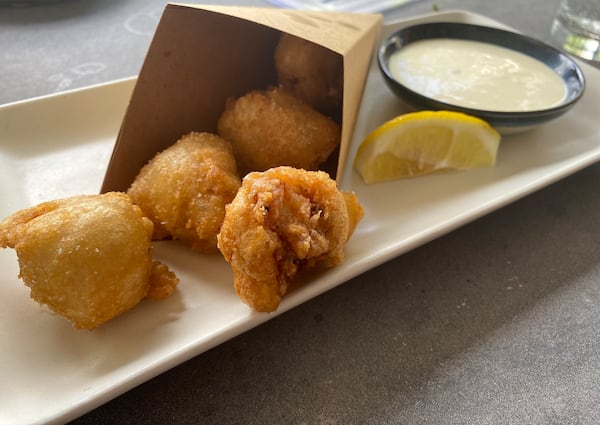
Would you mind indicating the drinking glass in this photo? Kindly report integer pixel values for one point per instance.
(576, 28)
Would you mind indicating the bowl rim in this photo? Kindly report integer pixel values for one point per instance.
(444, 29)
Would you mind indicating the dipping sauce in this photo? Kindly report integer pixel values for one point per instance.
(477, 75)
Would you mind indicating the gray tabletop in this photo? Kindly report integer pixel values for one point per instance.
(497, 322)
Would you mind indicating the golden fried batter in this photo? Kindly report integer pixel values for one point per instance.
(162, 281)
(271, 128)
(184, 189)
(281, 222)
(312, 72)
(88, 258)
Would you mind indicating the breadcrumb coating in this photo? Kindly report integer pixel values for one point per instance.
(284, 221)
(184, 189)
(272, 128)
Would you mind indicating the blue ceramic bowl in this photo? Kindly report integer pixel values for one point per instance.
(559, 62)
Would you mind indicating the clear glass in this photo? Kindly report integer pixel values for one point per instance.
(576, 28)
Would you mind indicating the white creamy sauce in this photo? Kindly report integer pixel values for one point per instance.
(477, 75)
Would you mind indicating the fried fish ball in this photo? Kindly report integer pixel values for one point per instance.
(284, 221)
(312, 72)
(184, 189)
(272, 128)
(88, 258)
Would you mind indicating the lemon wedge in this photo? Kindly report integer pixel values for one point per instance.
(425, 142)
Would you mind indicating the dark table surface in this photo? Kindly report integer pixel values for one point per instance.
(497, 322)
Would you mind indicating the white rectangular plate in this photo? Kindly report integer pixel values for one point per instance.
(60, 145)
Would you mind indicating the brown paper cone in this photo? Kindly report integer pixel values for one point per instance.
(201, 55)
